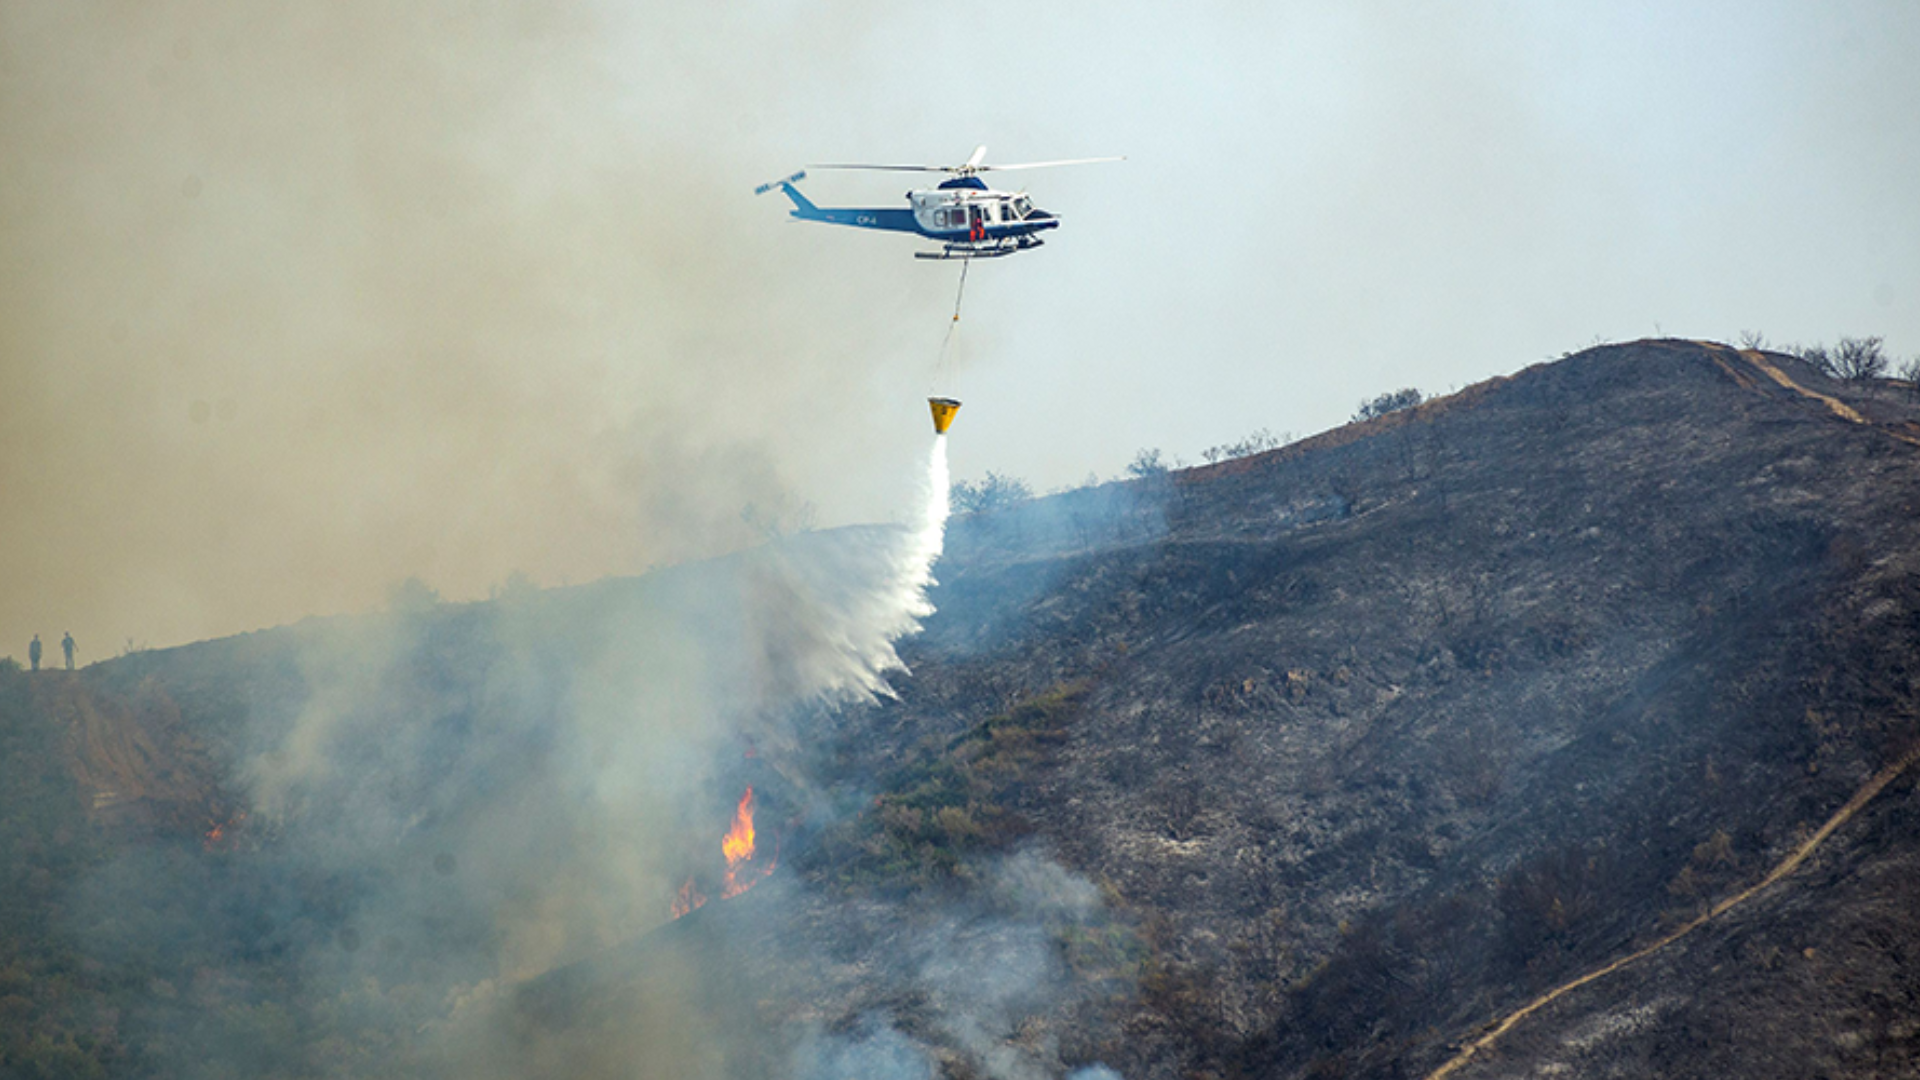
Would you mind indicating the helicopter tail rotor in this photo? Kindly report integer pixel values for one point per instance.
(771, 184)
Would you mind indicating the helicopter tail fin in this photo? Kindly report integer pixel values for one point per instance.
(802, 205)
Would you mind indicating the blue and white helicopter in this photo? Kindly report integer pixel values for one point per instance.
(969, 219)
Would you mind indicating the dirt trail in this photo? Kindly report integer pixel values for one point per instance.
(1786, 866)
(1780, 378)
(1840, 408)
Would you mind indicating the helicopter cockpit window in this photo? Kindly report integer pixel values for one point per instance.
(1022, 206)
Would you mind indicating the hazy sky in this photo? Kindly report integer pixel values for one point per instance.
(302, 300)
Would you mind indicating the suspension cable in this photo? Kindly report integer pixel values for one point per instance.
(953, 327)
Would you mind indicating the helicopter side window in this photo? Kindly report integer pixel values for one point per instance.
(1021, 206)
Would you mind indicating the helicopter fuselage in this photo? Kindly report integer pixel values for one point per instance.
(963, 214)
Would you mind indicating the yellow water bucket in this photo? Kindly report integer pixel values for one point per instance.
(943, 410)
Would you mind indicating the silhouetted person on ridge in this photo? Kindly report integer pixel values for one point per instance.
(33, 653)
(66, 646)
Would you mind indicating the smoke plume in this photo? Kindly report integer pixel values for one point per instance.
(302, 304)
(452, 801)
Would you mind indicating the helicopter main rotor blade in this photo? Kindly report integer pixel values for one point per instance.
(972, 165)
(892, 168)
(1045, 164)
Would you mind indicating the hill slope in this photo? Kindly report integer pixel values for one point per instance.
(1311, 764)
(1388, 732)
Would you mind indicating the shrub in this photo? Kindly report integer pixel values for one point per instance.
(1548, 900)
(1859, 359)
(950, 801)
(1257, 443)
(996, 492)
(1910, 373)
(1404, 398)
(1817, 356)
(1147, 463)
(1853, 359)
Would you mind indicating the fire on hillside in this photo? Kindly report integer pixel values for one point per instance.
(744, 871)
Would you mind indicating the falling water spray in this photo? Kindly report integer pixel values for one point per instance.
(832, 608)
(933, 530)
(905, 601)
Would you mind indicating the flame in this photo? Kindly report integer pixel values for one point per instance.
(743, 872)
(216, 834)
(737, 845)
(687, 899)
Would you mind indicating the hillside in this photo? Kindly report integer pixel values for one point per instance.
(1316, 763)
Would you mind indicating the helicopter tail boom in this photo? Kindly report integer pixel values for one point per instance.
(805, 210)
(859, 217)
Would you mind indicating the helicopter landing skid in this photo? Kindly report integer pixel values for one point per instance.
(989, 250)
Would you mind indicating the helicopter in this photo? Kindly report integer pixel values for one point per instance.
(969, 219)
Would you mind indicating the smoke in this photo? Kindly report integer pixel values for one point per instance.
(971, 987)
(621, 711)
(305, 303)
(460, 799)
(875, 1052)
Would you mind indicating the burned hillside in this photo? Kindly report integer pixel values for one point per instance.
(1381, 734)
(1580, 651)
(1315, 763)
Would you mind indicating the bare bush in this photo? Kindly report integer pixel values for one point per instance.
(1852, 359)
(1257, 443)
(1147, 463)
(1859, 359)
(1910, 374)
(1404, 398)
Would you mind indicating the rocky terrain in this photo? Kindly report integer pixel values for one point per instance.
(1317, 763)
